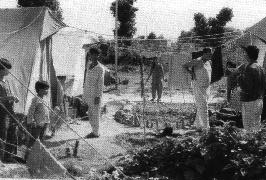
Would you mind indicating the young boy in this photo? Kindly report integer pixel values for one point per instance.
(8, 126)
(38, 115)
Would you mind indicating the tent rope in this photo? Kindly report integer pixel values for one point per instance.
(25, 27)
(68, 125)
(12, 144)
(9, 153)
(187, 38)
(153, 51)
(17, 121)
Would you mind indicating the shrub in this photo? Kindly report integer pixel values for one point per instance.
(221, 154)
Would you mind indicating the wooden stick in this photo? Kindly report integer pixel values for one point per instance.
(143, 95)
(75, 150)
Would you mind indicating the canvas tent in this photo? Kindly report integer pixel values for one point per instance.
(25, 40)
(69, 57)
(255, 35)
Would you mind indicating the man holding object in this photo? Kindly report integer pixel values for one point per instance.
(201, 86)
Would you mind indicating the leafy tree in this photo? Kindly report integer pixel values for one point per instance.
(160, 37)
(224, 16)
(126, 17)
(152, 35)
(185, 36)
(52, 4)
(201, 24)
(212, 26)
(141, 37)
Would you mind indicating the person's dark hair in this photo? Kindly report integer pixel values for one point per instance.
(94, 51)
(41, 85)
(206, 50)
(5, 64)
(197, 54)
(230, 64)
(252, 52)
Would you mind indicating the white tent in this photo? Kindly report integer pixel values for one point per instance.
(25, 40)
(256, 35)
(69, 57)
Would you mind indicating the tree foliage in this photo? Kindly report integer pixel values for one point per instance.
(152, 35)
(126, 17)
(201, 24)
(52, 4)
(141, 37)
(161, 36)
(212, 26)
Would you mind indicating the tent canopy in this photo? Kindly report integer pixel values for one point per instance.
(258, 29)
(69, 57)
(25, 40)
(255, 35)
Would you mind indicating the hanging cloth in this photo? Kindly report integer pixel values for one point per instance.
(217, 65)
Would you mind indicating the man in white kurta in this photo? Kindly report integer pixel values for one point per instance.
(201, 87)
(93, 90)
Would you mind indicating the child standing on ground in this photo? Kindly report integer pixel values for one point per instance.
(38, 115)
(8, 126)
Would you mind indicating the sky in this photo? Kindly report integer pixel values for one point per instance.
(166, 17)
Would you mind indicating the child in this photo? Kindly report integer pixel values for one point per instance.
(38, 115)
(8, 126)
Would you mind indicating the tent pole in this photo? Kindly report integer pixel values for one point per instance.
(143, 96)
(116, 44)
(251, 40)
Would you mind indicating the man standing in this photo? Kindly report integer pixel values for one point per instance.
(93, 90)
(157, 74)
(8, 125)
(252, 84)
(201, 86)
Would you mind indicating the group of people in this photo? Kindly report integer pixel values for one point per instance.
(250, 78)
(38, 116)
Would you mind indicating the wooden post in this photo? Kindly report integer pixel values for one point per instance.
(251, 40)
(143, 95)
(75, 150)
(116, 44)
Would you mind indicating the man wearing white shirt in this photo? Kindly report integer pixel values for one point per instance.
(201, 87)
(93, 90)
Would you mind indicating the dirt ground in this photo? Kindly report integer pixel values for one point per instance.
(100, 153)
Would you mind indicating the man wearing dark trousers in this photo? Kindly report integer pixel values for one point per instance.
(157, 74)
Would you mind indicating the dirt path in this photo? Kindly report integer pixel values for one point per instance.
(108, 127)
(94, 153)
